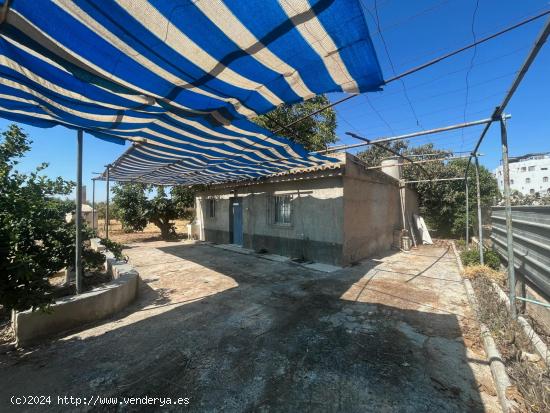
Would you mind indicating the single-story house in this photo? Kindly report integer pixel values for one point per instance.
(337, 213)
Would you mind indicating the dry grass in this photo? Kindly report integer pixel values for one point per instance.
(474, 271)
(150, 233)
(527, 372)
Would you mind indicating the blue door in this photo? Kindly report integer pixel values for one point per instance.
(237, 221)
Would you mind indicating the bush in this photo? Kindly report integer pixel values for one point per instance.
(471, 257)
(114, 247)
(35, 240)
(92, 260)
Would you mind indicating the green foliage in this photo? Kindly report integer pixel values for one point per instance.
(314, 133)
(374, 155)
(136, 208)
(471, 257)
(35, 240)
(114, 247)
(184, 200)
(92, 260)
(32, 227)
(130, 200)
(443, 203)
(161, 211)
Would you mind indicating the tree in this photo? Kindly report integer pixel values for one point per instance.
(314, 133)
(162, 211)
(184, 199)
(130, 200)
(374, 155)
(137, 209)
(35, 239)
(442, 203)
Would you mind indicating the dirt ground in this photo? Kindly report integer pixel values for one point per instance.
(149, 233)
(235, 332)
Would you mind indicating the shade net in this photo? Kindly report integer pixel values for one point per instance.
(182, 80)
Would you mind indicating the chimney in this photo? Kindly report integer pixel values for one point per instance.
(392, 167)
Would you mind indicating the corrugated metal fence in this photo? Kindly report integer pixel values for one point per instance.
(531, 229)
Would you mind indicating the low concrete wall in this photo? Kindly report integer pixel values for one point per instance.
(72, 312)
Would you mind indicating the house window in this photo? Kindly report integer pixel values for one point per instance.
(531, 191)
(523, 169)
(211, 207)
(544, 169)
(512, 181)
(544, 179)
(531, 168)
(282, 209)
(527, 180)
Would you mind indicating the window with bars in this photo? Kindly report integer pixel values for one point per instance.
(282, 209)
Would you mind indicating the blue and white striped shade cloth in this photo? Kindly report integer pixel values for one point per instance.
(181, 78)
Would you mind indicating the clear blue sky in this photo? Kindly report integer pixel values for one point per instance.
(414, 32)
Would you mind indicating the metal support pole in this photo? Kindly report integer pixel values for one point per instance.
(523, 295)
(479, 223)
(435, 180)
(94, 229)
(78, 215)
(107, 205)
(467, 215)
(409, 135)
(508, 214)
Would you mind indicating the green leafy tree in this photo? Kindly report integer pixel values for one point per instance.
(314, 133)
(443, 203)
(162, 211)
(130, 200)
(35, 239)
(137, 209)
(184, 199)
(374, 155)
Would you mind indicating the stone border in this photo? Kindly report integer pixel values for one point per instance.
(539, 345)
(73, 312)
(496, 364)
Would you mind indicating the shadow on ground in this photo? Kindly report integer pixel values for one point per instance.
(265, 336)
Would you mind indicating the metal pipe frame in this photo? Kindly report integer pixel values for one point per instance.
(423, 66)
(107, 202)
(410, 135)
(479, 223)
(78, 216)
(368, 141)
(94, 229)
(508, 215)
(498, 115)
(529, 300)
(434, 180)
(499, 110)
(467, 212)
(420, 161)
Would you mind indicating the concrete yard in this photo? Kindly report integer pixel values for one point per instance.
(235, 332)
